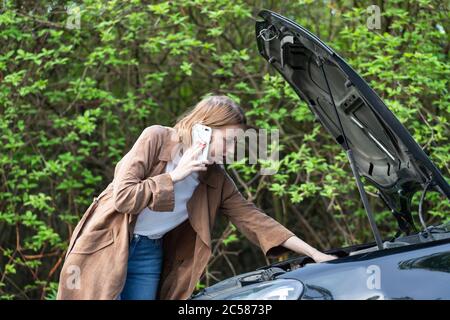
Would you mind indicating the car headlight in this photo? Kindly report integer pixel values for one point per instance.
(280, 289)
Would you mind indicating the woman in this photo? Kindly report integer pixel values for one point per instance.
(148, 234)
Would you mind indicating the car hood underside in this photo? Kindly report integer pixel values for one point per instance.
(384, 151)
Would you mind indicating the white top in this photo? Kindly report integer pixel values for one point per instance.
(154, 224)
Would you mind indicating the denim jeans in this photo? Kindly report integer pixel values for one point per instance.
(144, 269)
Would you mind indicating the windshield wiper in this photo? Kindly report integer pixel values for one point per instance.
(344, 142)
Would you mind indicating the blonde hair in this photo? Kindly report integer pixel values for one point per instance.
(214, 111)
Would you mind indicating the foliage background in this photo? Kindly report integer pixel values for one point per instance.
(73, 101)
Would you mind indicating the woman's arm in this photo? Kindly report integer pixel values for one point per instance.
(271, 236)
(132, 191)
(261, 229)
(298, 245)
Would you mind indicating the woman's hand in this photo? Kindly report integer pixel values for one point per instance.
(322, 257)
(298, 245)
(188, 163)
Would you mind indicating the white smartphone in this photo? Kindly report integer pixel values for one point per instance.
(202, 133)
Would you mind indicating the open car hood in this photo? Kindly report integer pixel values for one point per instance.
(384, 151)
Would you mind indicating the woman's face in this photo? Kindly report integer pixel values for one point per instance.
(223, 141)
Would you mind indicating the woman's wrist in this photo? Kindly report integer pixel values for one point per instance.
(173, 176)
(298, 245)
(314, 253)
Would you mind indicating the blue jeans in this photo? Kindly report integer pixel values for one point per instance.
(144, 269)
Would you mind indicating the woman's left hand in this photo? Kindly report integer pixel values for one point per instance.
(322, 257)
(298, 245)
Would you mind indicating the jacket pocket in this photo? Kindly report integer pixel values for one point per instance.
(93, 241)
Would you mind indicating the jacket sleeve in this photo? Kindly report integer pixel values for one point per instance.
(257, 226)
(132, 191)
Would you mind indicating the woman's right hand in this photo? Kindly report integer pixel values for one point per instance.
(188, 163)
